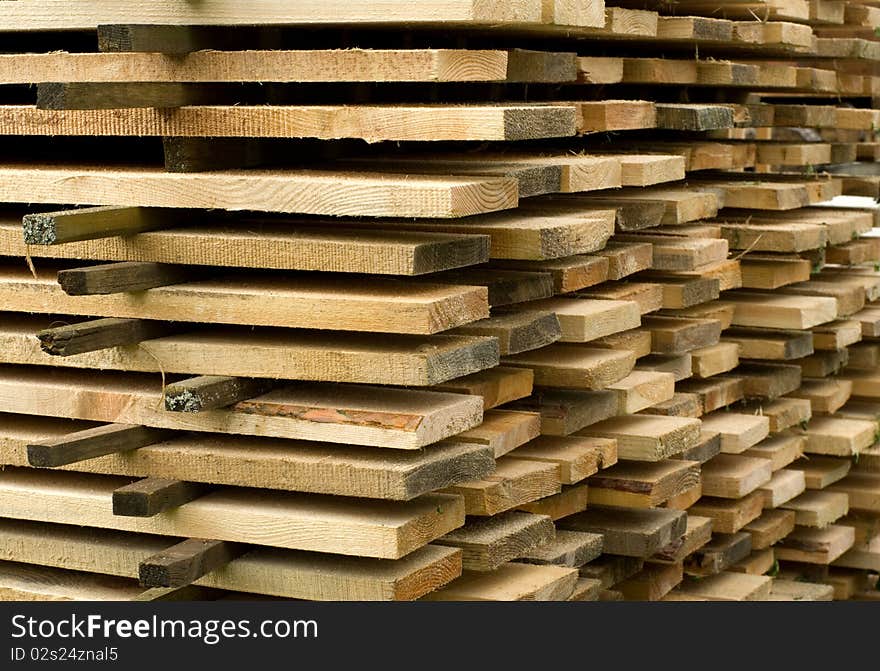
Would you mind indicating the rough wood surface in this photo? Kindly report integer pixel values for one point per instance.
(266, 463)
(630, 532)
(372, 304)
(400, 418)
(90, 443)
(151, 496)
(295, 521)
(292, 191)
(186, 562)
(286, 354)
(263, 570)
(487, 543)
(141, 61)
(398, 123)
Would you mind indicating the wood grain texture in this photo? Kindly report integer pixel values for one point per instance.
(294, 521)
(83, 15)
(273, 353)
(370, 123)
(291, 191)
(360, 415)
(264, 65)
(254, 244)
(487, 543)
(290, 465)
(331, 302)
(264, 570)
(510, 582)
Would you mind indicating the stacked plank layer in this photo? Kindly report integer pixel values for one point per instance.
(465, 301)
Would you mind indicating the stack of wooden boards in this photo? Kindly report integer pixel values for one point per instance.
(463, 300)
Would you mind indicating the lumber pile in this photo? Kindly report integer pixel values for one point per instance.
(467, 300)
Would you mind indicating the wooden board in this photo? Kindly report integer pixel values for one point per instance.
(496, 386)
(379, 303)
(728, 586)
(578, 457)
(80, 15)
(680, 405)
(519, 234)
(781, 450)
(503, 430)
(569, 274)
(308, 65)
(652, 583)
(310, 522)
(734, 476)
(575, 366)
(24, 582)
(818, 508)
(568, 548)
(770, 527)
(563, 411)
(719, 554)
(517, 331)
(266, 463)
(820, 472)
(738, 432)
(277, 572)
(768, 381)
(697, 534)
(370, 123)
(783, 413)
(515, 482)
(782, 487)
(487, 543)
(815, 546)
(715, 359)
(406, 419)
(729, 515)
(630, 532)
(306, 192)
(863, 490)
(572, 499)
(281, 354)
(714, 393)
(647, 437)
(642, 389)
(839, 436)
(825, 396)
(510, 582)
(585, 319)
(642, 484)
(771, 345)
(268, 245)
(677, 335)
(781, 312)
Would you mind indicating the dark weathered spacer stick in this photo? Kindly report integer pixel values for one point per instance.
(92, 223)
(201, 154)
(171, 39)
(122, 95)
(114, 278)
(150, 496)
(186, 562)
(100, 334)
(209, 392)
(91, 443)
